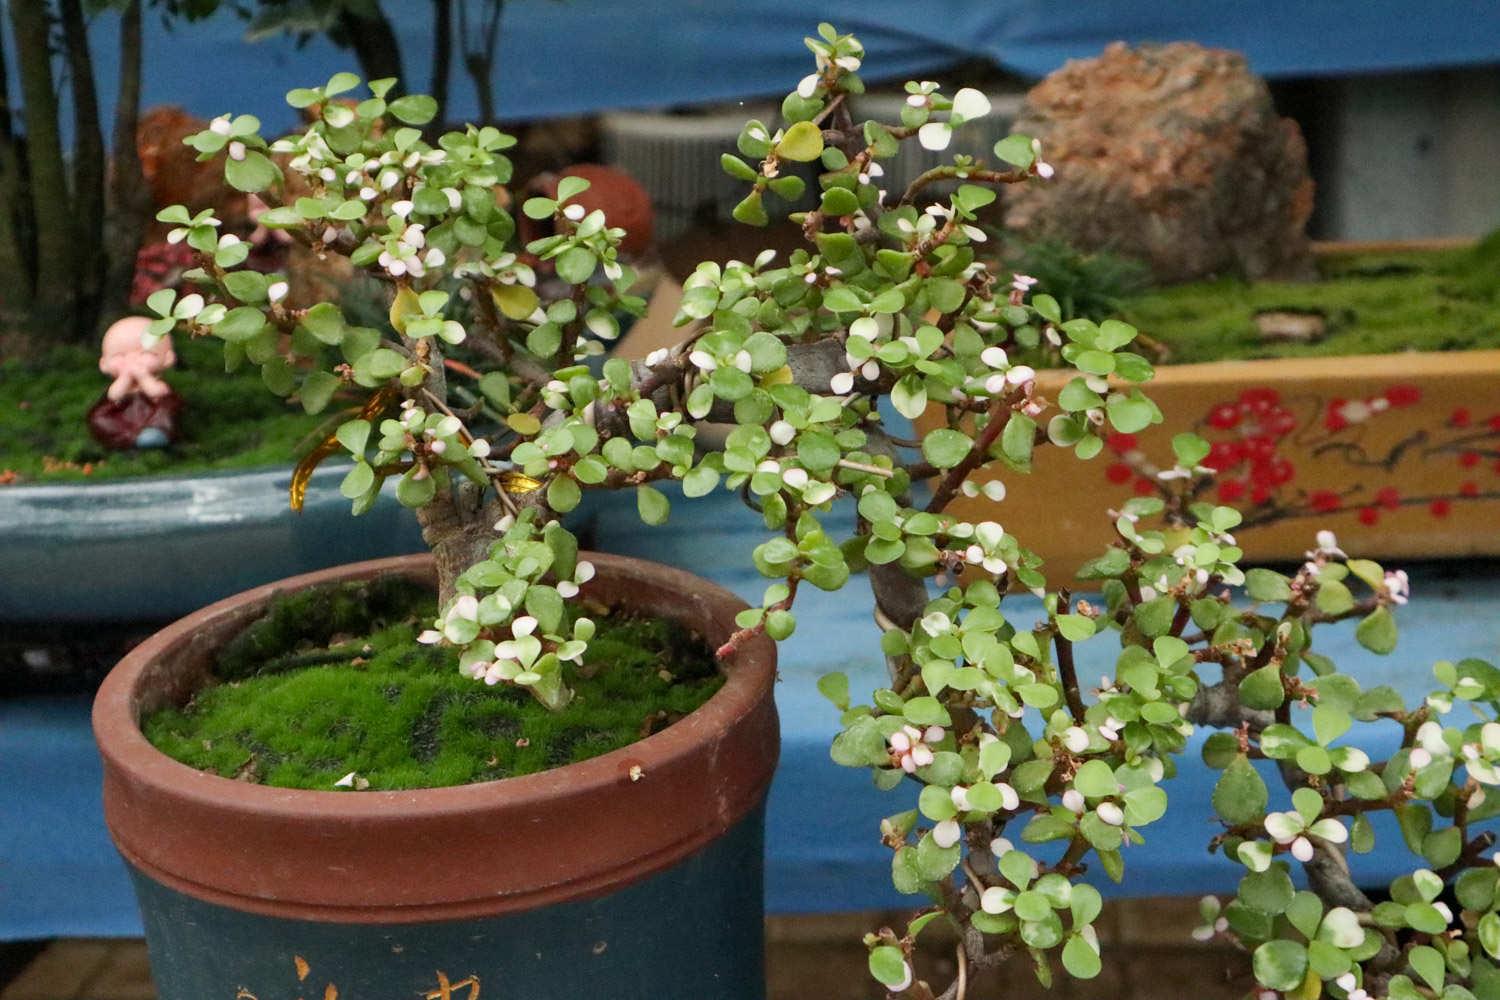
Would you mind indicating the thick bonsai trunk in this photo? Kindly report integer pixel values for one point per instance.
(88, 165)
(54, 301)
(129, 200)
(459, 530)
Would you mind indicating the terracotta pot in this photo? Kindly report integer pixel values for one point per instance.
(637, 873)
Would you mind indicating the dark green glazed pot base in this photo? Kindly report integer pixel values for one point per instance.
(691, 932)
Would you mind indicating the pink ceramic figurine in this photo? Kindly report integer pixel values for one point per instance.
(138, 410)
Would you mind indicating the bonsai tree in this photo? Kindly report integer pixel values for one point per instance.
(1024, 778)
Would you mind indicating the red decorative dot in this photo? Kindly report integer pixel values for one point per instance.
(1223, 455)
(1388, 497)
(1440, 507)
(1368, 516)
(1231, 490)
(1469, 459)
(1494, 422)
(1281, 423)
(1260, 448)
(1224, 416)
(1469, 489)
(1280, 472)
(1324, 501)
(1118, 473)
(1260, 400)
(1120, 443)
(1260, 493)
(1403, 395)
(1334, 420)
(1144, 487)
(1461, 417)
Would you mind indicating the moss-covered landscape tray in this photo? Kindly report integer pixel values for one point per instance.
(228, 422)
(1398, 450)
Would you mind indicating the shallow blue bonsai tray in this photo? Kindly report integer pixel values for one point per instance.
(155, 548)
(59, 876)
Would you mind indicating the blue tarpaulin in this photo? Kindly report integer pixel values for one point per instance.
(59, 875)
(583, 56)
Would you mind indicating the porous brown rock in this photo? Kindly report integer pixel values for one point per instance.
(1172, 154)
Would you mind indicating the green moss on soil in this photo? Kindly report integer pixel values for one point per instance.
(1374, 303)
(229, 421)
(333, 681)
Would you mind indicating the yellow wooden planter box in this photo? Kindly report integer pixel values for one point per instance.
(1399, 454)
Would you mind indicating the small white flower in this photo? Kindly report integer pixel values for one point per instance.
(401, 209)
(1000, 847)
(1073, 801)
(947, 833)
(466, 607)
(1075, 739)
(782, 432)
(960, 796)
(567, 588)
(1419, 759)
(1009, 798)
(220, 125)
(583, 572)
(574, 212)
(795, 477)
(970, 104)
(916, 100)
(1020, 375)
(1398, 586)
(994, 357)
(236, 150)
(808, 85)
(479, 448)
(1328, 543)
(842, 384)
(1302, 849)
(430, 636)
(1111, 813)
(276, 291)
(996, 899)
(523, 626)
(935, 136)
(702, 360)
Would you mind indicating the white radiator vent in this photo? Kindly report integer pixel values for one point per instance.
(676, 159)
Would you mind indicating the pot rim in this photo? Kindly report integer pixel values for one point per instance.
(698, 777)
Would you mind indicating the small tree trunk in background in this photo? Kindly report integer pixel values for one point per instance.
(479, 53)
(88, 165)
(15, 261)
(54, 302)
(442, 51)
(374, 43)
(129, 205)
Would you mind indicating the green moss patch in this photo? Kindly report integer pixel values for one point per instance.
(1373, 303)
(332, 681)
(229, 421)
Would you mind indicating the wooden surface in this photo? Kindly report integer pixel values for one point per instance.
(1399, 454)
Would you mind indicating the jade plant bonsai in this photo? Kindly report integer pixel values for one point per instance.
(1023, 777)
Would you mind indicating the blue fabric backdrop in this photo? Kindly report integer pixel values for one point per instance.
(577, 56)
